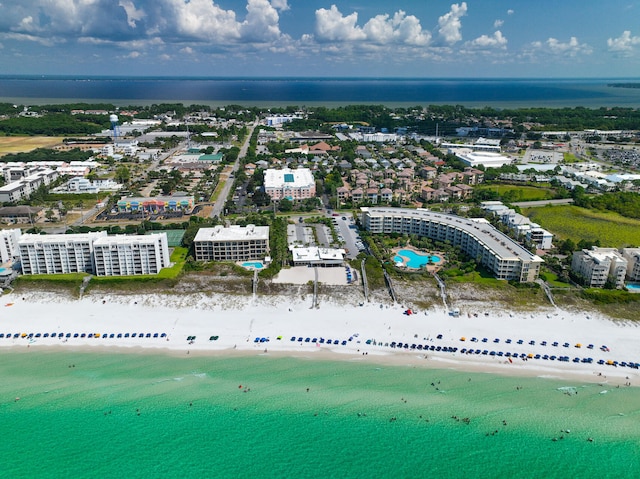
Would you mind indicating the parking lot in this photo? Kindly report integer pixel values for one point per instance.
(348, 234)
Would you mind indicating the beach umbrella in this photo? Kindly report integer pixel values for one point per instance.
(463, 338)
(578, 345)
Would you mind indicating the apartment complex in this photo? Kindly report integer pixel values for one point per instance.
(597, 265)
(294, 185)
(93, 253)
(632, 255)
(235, 243)
(57, 254)
(131, 255)
(25, 187)
(9, 244)
(477, 239)
(520, 225)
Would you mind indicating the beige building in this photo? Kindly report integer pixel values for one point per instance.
(597, 265)
(236, 243)
(294, 185)
(478, 240)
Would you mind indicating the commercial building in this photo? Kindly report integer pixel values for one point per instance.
(9, 244)
(505, 258)
(294, 185)
(57, 254)
(131, 255)
(235, 243)
(314, 256)
(156, 204)
(598, 265)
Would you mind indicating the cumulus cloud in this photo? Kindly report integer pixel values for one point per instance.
(281, 5)
(624, 43)
(510, 12)
(332, 26)
(497, 40)
(261, 23)
(383, 29)
(133, 14)
(571, 48)
(498, 23)
(450, 25)
(401, 28)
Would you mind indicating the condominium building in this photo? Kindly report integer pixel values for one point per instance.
(294, 185)
(597, 265)
(505, 258)
(235, 243)
(58, 253)
(25, 187)
(9, 244)
(632, 255)
(131, 255)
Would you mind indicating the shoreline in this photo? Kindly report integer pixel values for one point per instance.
(363, 333)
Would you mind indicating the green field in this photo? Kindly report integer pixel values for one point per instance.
(514, 193)
(567, 221)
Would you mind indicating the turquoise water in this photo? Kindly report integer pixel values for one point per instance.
(146, 415)
(633, 286)
(253, 265)
(415, 260)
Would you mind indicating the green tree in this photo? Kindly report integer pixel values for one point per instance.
(286, 205)
(122, 174)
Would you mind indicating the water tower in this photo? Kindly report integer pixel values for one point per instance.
(114, 127)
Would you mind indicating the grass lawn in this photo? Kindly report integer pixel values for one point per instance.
(513, 193)
(568, 221)
(21, 144)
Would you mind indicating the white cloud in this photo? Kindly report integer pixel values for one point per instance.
(498, 23)
(397, 29)
(281, 5)
(332, 26)
(497, 40)
(202, 20)
(187, 50)
(510, 12)
(133, 14)
(261, 23)
(624, 43)
(572, 48)
(450, 24)
(383, 29)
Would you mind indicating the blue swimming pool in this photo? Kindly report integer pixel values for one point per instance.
(635, 287)
(411, 259)
(253, 265)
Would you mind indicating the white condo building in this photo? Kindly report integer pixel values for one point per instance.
(597, 265)
(632, 255)
(9, 244)
(236, 243)
(131, 255)
(480, 241)
(57, 254)
(294, 185)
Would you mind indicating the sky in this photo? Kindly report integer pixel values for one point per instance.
(315, 38)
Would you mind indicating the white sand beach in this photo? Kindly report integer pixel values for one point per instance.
(279, 325)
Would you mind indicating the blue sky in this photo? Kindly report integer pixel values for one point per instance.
(368, 38)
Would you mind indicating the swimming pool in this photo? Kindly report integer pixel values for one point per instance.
(253, 265)
(634, 287)
(413, 259)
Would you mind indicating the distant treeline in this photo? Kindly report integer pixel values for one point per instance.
(624, 85)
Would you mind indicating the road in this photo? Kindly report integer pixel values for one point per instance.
(218, 207)
(533, 204)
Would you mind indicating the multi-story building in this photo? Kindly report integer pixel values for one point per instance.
(58, 253)
(479, 240)
(9, 244)
(294, 185)
(25, 187)
(632, 255)
(236, 243)
(130, 255)
(597, 265)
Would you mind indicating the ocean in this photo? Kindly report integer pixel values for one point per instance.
(265, 92)
(143, 415)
